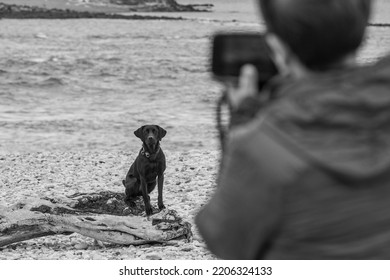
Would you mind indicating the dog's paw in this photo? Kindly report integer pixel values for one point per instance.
(161, 206)
(130, 203)
(149, 210)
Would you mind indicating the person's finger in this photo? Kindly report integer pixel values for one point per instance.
(248, 80)
(246, 86)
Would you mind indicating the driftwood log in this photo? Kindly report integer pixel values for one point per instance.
(102, 216)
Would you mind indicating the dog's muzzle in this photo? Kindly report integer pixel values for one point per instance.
(151, 143)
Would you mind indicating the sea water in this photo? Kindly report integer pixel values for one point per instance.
(87, 84)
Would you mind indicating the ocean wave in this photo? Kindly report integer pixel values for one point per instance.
(105, 36)
(25, 62)
(194, 69)
(6, 95)
(84, 61)
(11, 62)
(33, 82)
(105, 73)
(132, 36)
(92, 82)
(52, 82)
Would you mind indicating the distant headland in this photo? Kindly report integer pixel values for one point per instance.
(116, 9)
(161, 6)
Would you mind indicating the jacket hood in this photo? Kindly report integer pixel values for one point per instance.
(339, 120)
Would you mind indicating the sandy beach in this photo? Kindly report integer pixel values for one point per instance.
(190, 180)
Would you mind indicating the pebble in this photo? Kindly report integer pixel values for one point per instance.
(186, 249)
(153, 257)
(118, 183)
(196, 243)
(81, 246)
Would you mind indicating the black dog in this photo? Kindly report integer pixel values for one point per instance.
(147, 167)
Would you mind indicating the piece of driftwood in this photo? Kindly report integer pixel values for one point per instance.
(102, 216)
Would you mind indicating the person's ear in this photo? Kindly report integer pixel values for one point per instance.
(279, 52)
(285, 60)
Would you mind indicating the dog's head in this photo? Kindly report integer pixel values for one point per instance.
(150, 135)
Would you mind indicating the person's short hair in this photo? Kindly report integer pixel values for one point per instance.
(318, 32)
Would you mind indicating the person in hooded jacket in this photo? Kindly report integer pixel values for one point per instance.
(309, 176)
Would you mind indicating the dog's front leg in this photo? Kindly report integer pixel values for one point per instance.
(160, 185)
(145, 196)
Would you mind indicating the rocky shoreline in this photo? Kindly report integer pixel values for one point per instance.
(170, 6)
(27, 12)
(13, 11)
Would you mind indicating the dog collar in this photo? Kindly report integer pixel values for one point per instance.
(147, 154)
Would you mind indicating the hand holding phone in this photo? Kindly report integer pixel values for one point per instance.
(246, 86)
(231, 51)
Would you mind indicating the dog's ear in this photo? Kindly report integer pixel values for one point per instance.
(161, 132)
(140, 133)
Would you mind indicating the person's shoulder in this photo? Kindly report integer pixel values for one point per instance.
(252, 127)
(380, 66)
(384, 61)
(248, 136)
(264, 145)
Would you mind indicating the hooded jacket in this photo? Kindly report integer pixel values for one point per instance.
(309, 177)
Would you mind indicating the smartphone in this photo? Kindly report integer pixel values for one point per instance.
(230, 51)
